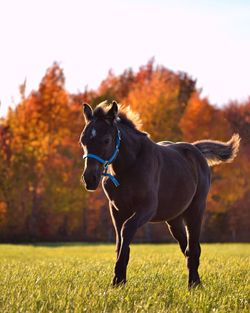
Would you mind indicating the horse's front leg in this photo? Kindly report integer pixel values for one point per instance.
(117, 223)
(118, 219)
(128, 231)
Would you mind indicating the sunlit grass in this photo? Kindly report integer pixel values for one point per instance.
(77, 278)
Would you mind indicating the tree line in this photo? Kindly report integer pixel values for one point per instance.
(41, 195)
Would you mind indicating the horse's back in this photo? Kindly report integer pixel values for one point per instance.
(186, 155)
(184, 151)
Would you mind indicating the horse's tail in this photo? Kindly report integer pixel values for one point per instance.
(217, 152)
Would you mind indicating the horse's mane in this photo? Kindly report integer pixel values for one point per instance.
(126, 116)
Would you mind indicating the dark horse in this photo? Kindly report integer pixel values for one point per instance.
(158, 182)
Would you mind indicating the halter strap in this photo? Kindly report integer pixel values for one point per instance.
(106, 163)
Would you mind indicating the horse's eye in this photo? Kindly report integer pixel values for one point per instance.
(106, 141)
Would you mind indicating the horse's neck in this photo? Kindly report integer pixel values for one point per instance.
(131, 144)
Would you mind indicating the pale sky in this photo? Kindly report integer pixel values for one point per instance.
(208, 39)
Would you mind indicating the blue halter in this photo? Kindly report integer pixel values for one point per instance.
(106, 163)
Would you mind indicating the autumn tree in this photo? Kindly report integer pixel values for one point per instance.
(160, 97)
(44, 158)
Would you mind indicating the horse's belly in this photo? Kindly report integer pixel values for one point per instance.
(166, 213)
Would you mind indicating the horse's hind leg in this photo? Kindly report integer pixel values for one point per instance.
(178, 231)
(193, 219)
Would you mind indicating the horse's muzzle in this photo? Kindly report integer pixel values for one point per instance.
(91, 181)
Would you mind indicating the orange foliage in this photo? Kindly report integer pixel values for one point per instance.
(160, 97)
(202, 120)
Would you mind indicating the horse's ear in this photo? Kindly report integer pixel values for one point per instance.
(113, 111)
(87, 112)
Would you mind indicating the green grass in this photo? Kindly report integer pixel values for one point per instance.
(77, 278)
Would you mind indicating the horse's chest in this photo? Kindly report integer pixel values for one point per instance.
(120, 196)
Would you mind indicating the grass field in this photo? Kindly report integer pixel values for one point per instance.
(77, 278)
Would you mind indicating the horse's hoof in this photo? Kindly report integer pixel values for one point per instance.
(118, 281)
(194, 284)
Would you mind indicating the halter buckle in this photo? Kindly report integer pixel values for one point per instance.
(105, 165)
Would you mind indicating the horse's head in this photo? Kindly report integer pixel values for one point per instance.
(98, 138)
